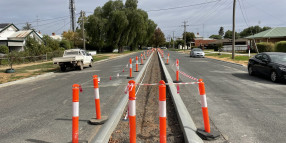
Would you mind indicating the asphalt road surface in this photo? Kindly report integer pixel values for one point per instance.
(243, 108)
(41, 110)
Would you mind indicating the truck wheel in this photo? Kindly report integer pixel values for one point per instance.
(90, 65)
(63, 68)
(80, 66)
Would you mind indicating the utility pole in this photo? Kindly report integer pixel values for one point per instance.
(173, 41)
(185, 26)
(82, 20)
(72, 15)
(233, 30)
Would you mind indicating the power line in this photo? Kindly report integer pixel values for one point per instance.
(182, 6)
(242, 13)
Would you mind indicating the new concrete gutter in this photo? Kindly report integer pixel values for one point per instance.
(106, 130)
(186, 122)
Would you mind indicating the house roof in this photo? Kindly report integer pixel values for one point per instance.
(4, 26)
(21, 34)
(271, 33)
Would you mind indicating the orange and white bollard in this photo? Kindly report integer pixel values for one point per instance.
(75, 112)
(206, 133)
(96, 97)
(167, 63)
(144, 56)
(177, 71)
(142, 59)
(130, 69)
(136, 64)
(204, 106)
(162, 111)
(132, 111)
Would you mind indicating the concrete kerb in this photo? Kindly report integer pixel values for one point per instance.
(51, 73)
(186, 122)
(106, 130)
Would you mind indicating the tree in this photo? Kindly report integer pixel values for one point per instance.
(4, 49)
(116, 25)
(65, 44)
(215, 37)
(28, 26)
(74, 37)
(252, 30)
(228, 34)
(159, 38)
(221, 31)
(190, 36)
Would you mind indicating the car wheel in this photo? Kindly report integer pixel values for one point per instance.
(250, 71)
(274, 76)
(90, 65)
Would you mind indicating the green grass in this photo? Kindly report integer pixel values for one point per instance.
(237, 58)
(171, 49)
(38, 69)
(99, 57)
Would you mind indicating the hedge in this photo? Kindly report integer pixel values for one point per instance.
(265, 47)
(4, 49)
(280, 46)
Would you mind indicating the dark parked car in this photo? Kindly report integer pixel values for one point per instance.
(271, 64)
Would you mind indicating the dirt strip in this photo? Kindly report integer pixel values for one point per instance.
(147, 112)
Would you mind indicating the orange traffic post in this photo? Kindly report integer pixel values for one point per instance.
(204, 105)
(206, 133)
(142, 59)
(99, 119)
(177, 71)
(162, 111)
(130, 69)
(167, 63)
(132, 111)
(144, 56)
(96, 97)
(136, 64)
(75, 112)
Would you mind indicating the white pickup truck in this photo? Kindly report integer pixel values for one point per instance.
(74, 58)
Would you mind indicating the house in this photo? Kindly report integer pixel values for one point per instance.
(14, 38)
(241, 44)
(56, 37)
(273, 35)
(201, 41)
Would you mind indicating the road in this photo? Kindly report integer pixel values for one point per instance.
(243, 108)
(41, 110)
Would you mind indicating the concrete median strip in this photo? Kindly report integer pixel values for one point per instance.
(106, 130)
(186, 122)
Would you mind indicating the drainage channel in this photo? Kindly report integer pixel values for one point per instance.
(147, 111)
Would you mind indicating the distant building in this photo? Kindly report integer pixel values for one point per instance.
(241, 44)
(201, 41)
(273, 35)
(56, 37)
(14, 38)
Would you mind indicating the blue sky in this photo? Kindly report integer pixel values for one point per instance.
(205, 19)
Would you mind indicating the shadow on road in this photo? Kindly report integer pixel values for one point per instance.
(257, 78)
(36, 141)
(62, 119)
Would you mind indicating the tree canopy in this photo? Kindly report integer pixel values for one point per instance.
(116, 25)
(252, 30)
(190, 36)
(221, 31)
(228, 34)
(158, 38)
(215, 37)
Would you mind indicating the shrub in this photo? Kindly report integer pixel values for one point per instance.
(280, 46)
(265, 47)
(65, 44)
(4, 49)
